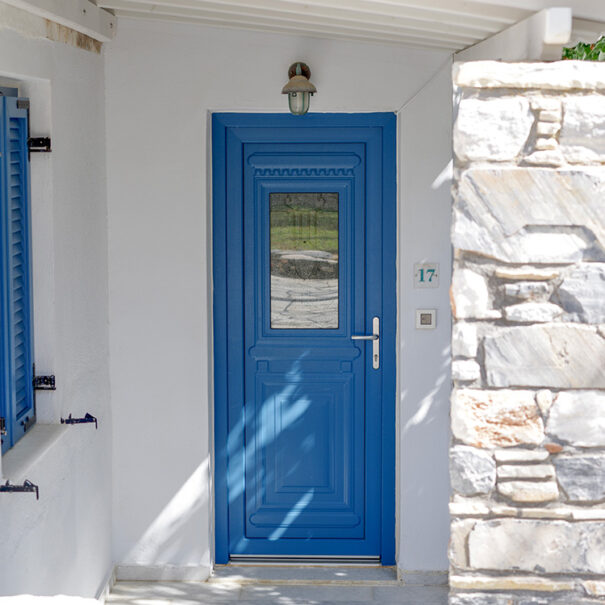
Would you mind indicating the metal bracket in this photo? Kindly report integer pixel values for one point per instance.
(39, 144)
(45, 383)
(88, 418)
(27, 486)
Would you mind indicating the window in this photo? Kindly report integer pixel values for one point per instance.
(304, 260)
(16, 337)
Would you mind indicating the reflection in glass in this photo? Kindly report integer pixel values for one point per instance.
(304, 260)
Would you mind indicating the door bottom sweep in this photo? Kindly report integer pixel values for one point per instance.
(296, 560)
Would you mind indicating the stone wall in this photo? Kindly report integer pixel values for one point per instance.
(527, 459)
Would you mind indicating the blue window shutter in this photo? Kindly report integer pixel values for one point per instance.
(4, 390)
(17, 366)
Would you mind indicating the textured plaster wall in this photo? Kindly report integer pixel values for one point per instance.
(61, 543)
(162, 82)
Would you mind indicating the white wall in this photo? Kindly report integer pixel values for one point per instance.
(61, 543)
(425, 135)
(162, 80)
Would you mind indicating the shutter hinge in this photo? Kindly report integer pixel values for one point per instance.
(28, 422)
(2, 426)
(39, 145)
(87, 418)
(27, 486)
(22, 103)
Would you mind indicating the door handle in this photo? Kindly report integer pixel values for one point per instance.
(375, 338)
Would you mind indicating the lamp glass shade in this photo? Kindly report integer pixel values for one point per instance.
(299, 89)
(299, 102)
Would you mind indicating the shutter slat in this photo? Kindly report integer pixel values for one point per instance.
(6, 179)
(17, 304)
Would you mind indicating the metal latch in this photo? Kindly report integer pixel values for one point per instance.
(39, 145)
(375, 338)
(45, 383)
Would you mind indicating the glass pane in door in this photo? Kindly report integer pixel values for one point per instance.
(304, 260)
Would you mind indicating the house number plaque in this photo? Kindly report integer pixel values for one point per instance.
(426, 275)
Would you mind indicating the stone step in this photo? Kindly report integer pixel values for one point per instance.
(305, 575)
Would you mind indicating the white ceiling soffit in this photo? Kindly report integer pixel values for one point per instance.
(80, 15)
(439, 24)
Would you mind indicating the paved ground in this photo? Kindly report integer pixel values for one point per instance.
(287, 586)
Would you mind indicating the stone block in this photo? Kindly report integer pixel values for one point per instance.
(477, 598)
(527, 583)
(526, 471)
(583, 133)
(518, 454)
(551, 115)
(533, 312)
(529, 492)
(527, 290)
(595, 588)
(544, 104)
(472, 471)
(459, 531)
(493, 129)
(473, 507)
(547, 129)
(582, 477)
(477, 507)
(553, 76)
(531, 215)
(544, 399)
(490, 419)
(469, 508)
(582, 293)
(464, 339)
(535, 512)
(588, 514)
(470, 296)
(526, 273)
(534, 545)
(547, 144)
(578, 417)
(465, 370)
(545, 157)
(545, 356)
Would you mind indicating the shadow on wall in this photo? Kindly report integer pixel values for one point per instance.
(162, 540)
(424, 355)
(426, 396)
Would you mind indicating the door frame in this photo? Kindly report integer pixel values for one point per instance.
(387, 124)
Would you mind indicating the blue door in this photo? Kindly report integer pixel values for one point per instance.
(304, 293)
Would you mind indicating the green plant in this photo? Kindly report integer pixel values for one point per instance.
(586, 52)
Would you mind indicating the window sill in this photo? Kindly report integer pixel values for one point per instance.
(22, 459)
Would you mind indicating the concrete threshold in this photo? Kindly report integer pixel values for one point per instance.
(290, 585)
(306, 575)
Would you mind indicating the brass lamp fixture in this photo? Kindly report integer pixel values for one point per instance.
(298, 88)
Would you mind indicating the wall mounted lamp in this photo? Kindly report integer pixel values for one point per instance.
(298, 88)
